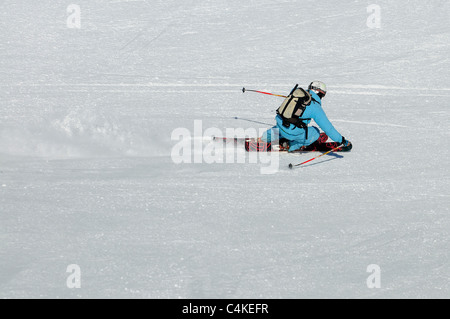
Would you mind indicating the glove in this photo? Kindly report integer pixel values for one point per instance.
(345, 142)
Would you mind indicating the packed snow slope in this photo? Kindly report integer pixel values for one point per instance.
(88, 176)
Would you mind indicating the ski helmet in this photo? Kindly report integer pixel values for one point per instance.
(319, 88)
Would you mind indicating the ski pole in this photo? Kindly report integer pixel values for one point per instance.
(248, 120)
(245, 90)
(334, 149)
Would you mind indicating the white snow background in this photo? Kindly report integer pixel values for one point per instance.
(87, 177)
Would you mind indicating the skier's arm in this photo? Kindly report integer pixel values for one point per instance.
(322, 120)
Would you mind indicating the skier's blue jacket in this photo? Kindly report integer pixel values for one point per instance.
(296, 135)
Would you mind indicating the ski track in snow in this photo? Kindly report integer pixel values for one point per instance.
(369, 123)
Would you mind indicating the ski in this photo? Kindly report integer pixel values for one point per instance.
(229, 139)
(252, 145)
(255, 146)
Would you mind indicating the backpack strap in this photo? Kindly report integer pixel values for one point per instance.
(299, 123)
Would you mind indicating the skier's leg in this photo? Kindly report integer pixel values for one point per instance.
(313, 135)
(268, 136)
(319, 144)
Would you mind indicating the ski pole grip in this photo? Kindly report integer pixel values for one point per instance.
(293, 90)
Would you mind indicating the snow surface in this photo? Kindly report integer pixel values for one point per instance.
(87, 177)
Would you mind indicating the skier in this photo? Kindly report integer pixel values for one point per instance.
(294, 132)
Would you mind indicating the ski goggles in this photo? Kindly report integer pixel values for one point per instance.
(322, 92)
